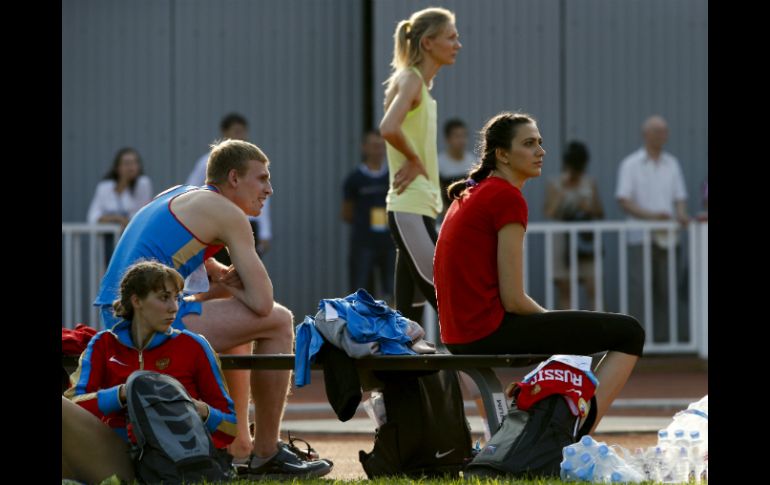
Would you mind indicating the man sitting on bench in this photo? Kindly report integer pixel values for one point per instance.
(232, 306)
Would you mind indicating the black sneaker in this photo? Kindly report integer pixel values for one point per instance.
(285, 464)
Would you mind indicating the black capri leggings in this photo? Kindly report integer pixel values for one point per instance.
(560, 332)
(415, 237)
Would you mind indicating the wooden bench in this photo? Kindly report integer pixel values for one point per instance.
(478, 367)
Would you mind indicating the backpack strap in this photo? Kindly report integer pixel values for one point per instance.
(589, 422)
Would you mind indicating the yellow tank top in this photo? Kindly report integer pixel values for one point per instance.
(422, 196)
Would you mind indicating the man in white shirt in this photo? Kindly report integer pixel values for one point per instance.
(235, 127)
(456, 161)
(651, 187)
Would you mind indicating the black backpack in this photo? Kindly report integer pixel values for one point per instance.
(426, 432)
(529, 443)
(172, 443)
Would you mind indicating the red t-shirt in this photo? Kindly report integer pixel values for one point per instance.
(465, 262)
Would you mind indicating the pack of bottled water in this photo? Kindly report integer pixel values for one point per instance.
(680, 456)
(684, 445)
(592, 461)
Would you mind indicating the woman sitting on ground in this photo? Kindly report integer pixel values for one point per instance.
(95, 442)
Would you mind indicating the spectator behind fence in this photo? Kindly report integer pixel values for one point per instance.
(235, 127)
(651, 187)
(233, 307)
(703, 216)
(144, 339)
(455, 161)
(121, 193)
(424, 43)
(363, 207)
(479, 270)
(573, 196)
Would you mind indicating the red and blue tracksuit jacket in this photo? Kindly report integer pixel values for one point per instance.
(188, 357)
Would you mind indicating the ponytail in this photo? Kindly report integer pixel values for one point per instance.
(401, 45)
(478, 173)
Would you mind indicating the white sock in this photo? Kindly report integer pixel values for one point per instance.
(258, 461)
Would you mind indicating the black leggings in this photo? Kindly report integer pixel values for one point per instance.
(415, 237)
(560, 332)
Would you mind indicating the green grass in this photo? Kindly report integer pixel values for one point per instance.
(409, 481)
(395, 481)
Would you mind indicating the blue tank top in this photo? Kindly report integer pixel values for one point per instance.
(155, 233)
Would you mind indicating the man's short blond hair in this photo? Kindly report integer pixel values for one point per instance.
(231, 154)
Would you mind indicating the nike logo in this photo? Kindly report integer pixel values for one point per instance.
(579, 393)
(113, 359)
(442, 455)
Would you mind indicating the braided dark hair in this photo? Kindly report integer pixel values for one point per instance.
(498, 132)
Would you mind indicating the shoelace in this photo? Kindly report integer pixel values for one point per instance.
(309, 454)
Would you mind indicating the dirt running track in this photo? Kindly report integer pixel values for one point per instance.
(343, 449)
(654, 377)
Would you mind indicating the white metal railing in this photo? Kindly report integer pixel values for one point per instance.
(77, 239)
(699, 288)
(80, 238)
(697, 259)
(698, 316)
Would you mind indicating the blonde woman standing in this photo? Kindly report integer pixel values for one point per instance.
(424, 43)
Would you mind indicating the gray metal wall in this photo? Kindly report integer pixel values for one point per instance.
(590, 70)
(159, 74)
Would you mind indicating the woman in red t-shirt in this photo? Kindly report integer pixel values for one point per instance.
(478, 269)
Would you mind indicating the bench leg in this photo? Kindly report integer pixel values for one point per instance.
(492, 395)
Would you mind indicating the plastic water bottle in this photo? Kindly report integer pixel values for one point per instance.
(638, 461)
(648, 464)
(663, 438)
(568, 453)
(680, 469)
(586, 469)
(605, 463)
(675, 461)
(585, 474)
(567, 470)
(586, 462)
(611, 467)
(680, 457)
(658, 463)
(569, 463)
(680, 439)
(589, 444)
(696, 456)
(617, 477)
